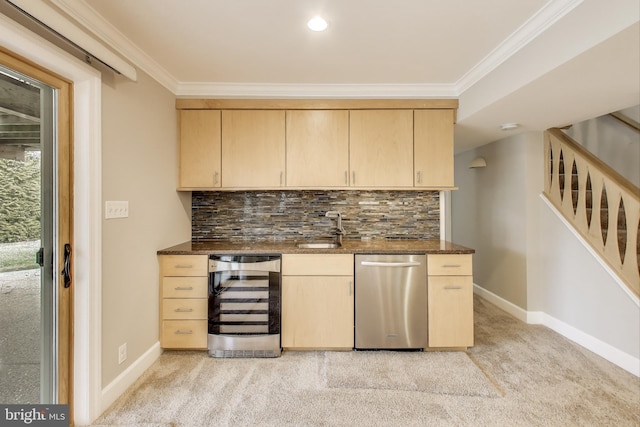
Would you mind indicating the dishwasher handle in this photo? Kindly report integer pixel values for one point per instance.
(390, 264)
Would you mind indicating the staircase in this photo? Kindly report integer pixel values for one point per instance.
(602, 206)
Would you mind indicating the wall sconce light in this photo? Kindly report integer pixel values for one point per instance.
(478, 162)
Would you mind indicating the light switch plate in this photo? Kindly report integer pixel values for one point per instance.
(116, 209)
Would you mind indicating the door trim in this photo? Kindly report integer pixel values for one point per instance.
(87, 208)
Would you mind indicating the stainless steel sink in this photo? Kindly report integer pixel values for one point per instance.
(318, 245)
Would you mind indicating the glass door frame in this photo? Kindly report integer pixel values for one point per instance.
(63, 219)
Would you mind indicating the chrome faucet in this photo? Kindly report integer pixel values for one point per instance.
(339, 230)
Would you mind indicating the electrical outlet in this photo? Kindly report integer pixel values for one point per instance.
(122, 353)
(116, 209)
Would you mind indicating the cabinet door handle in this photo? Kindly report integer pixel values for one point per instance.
(448, 287)
(183, 310)
(215, 178)
(419, 177)
(346, 178)
(451, 265)
(353, 181)
(179, 332)
(183, 266)
(183, 288)
(281, 174)
(350, 287)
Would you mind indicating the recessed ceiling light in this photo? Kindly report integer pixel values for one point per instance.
(509, 126)
(317, 24)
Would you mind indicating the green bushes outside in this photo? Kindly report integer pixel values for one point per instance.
(20, 199)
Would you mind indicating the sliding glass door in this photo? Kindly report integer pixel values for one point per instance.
(29, 299)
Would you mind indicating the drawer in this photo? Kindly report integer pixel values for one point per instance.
(185, 287)
(450, 265)
(184, 308)
(184, 334)
(184, 265)
(317, 264)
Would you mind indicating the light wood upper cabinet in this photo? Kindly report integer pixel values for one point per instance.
(433, 148)
(199, 148)
(317, 148)
(381, 148)
(253, 148)
(342, 144)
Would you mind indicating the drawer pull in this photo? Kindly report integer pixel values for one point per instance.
(453, 287)
(183, 310)
(183, 288)
(451, 265)
(184, 266)
(179, 332)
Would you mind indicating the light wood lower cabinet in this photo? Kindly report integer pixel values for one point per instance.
(183, 301)
(450, 301)
(317, 301)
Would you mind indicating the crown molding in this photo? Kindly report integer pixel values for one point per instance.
(95, 23)
(85, 15)
(550, 13)
(45, 16)
(318, 91)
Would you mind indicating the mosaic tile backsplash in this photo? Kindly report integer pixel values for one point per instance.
(300, 215)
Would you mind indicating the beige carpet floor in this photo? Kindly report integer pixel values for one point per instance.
(516, 375)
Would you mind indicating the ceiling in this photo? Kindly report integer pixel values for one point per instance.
(539, 63)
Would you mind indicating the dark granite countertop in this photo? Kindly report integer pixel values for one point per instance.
(290, 247)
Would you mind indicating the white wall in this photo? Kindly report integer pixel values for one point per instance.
(615, 143)
(522, 246)
(577, 290)
(489, 214)
(139, 152)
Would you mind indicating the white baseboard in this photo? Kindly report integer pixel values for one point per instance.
(123, 381)
(602, 349)
(502, 303)
(616, 356)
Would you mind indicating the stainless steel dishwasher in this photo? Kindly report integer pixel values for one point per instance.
(391, 301)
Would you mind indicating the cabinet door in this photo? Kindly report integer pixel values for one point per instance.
(317, 312)
(433, 148)
(199, 148)
(318, 148)
(253, 148)
(381, 148)
(450, 302)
